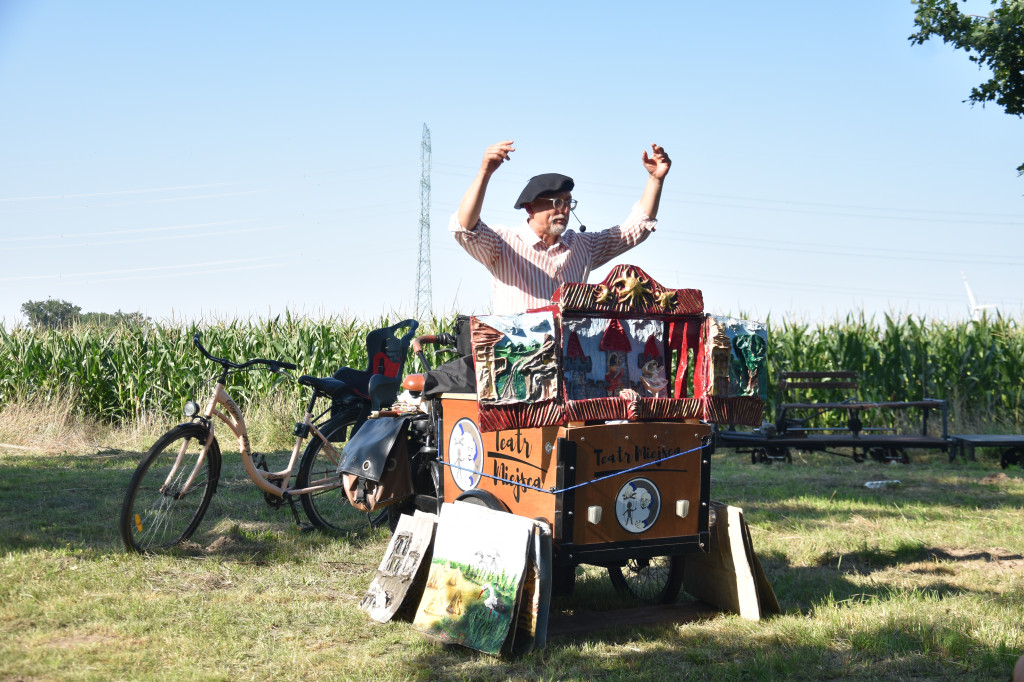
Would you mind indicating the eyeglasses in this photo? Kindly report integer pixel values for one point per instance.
(559, 203)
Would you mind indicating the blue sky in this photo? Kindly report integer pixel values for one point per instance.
(226, 159)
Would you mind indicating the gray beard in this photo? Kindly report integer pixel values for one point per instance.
(556, 229)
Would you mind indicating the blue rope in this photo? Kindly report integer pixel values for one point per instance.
(553, 491)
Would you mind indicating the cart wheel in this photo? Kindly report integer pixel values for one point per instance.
(395, 511)
(563, 579)
(890, 455)
(655, 581)
(482, 498)
(759, 456)
(777, 454)
(1011, 456)
(858, 456)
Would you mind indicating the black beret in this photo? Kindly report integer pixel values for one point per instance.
(540, 184)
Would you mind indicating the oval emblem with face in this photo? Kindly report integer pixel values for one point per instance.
(465, 454)
(637, 505)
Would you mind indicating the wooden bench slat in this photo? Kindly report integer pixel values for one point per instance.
(844, 374)
(818, 384)
(858, 405)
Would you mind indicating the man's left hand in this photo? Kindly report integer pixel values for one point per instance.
(658, 163)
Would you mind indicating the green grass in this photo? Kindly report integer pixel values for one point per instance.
(923, 580)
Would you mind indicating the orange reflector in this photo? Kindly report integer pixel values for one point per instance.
(138, 522)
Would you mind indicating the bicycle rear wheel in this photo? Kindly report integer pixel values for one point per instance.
(329, 509)
(170, 490)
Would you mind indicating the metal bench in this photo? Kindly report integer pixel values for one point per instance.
(864, 440)
(1012, 447)
(793, 427)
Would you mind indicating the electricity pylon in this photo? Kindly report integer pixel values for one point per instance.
(423, 296)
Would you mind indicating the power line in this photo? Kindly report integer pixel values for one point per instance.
(107, 233)
(205, 234)
(784, 205)
(92, 195)
(186, 268)
(821, 249)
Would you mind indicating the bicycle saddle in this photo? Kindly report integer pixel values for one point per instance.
(325, 385)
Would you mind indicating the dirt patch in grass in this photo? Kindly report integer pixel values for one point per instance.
(234, 545)
(209, 583)
(227, 545)
(995, 478)
(74, 641)
(993, 561)
(996, 555)
(920, 559)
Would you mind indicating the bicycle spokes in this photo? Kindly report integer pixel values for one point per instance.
(171, 489)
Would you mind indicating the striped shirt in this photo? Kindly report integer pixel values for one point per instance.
(526, 272)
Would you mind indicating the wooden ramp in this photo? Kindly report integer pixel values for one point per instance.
(728, 579)
(730, 576)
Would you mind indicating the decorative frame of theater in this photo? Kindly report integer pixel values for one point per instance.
(618, 350)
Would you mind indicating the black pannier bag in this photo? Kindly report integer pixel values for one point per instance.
(375, 470)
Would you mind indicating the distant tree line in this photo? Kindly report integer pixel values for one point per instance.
(55, 313)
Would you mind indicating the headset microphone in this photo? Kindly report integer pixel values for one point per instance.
(583, 228)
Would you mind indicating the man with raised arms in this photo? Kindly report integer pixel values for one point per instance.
(529, 262)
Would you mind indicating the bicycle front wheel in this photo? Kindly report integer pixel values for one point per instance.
(328, 509)
(170, 491)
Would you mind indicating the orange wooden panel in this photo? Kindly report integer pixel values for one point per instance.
(521, 457)
(609, 448)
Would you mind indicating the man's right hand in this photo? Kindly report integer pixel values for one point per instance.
(496, 155)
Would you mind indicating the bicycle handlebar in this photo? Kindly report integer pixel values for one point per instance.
(436, 339)
(274, 365)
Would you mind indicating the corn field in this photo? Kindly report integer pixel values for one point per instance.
(118, 374)
(121, 373)
(978, 367)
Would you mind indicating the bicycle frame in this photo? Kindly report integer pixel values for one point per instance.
(274, 482)
(184, 465)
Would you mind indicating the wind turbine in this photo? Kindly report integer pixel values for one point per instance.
(975, 307)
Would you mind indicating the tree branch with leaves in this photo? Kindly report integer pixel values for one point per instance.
(995, 41)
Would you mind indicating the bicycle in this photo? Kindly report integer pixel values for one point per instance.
(171, 489)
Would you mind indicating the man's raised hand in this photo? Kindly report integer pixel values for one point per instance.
(495, 155)
(658, 163)
(473, 200)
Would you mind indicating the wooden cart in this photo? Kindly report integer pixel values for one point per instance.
(587, 417)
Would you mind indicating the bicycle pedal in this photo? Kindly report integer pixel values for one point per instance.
(305, 527)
